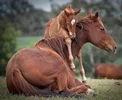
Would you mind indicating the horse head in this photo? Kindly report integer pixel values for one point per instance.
(70, 20)
(96, 33)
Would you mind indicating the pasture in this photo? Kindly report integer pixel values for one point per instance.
(105, 89)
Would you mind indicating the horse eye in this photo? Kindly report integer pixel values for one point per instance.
(102, 29)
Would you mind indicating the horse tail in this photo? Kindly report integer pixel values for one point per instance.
(19, 85)
(22, 86)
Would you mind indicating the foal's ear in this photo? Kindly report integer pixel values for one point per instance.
(96, 15)
(69, 6)
(76, 12)
(67, 13)
(88, 12)
(67, 10)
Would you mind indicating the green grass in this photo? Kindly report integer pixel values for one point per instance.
(27, 41)
(105, 89)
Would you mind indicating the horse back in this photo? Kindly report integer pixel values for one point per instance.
(109, 71)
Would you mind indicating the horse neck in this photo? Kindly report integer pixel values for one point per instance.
(79, 41)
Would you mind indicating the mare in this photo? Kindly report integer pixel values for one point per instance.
(44, 70)
(63, 25)
(93, 31)
(108, 71)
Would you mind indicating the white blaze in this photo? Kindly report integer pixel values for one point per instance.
(73, 21)
(70, 33)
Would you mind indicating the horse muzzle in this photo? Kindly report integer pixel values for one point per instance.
(112, 50)
(72, 36)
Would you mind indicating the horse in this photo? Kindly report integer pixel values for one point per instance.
(44, 69)
(101, 38)
(63, 25)
(108, 71)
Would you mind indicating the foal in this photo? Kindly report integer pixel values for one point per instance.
(63, 25)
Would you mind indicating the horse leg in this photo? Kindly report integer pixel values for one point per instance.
(63, 85)
(81, 89)
(77, 82)
(68, 43)
(82, 71)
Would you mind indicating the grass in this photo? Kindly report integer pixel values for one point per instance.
(105, 89)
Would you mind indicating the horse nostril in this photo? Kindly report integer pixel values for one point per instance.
(115, 48)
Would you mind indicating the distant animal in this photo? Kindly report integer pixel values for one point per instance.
(93, 31)
(108, 71)
(63, 25)
(44, 70)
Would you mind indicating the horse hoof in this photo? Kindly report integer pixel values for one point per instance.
(73, 70)
(90, 92)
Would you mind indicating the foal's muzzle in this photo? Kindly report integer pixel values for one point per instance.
(72, 36)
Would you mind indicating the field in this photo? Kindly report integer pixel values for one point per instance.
(105, 90)
(26, 42)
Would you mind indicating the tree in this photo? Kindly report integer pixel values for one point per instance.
(8, 36)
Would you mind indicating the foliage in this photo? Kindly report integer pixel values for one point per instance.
(31, 23)
(7, 43)
(104, 88)
(13, 7)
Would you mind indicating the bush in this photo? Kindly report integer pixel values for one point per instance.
(8, 36)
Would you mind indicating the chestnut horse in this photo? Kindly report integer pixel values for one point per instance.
(108, 71)
(93, 31)
(44, 69)
(63, 25)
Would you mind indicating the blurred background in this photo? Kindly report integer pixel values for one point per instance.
(22, 24)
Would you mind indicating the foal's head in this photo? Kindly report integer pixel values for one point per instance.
(96, 32)
(70, 20)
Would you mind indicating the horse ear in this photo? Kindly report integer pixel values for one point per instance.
(96, 15)
(69, 6)
(88, 12)
(67, 13)
(67, 10)
(76, 12)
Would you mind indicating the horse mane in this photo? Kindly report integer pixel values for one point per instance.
(57, 44)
